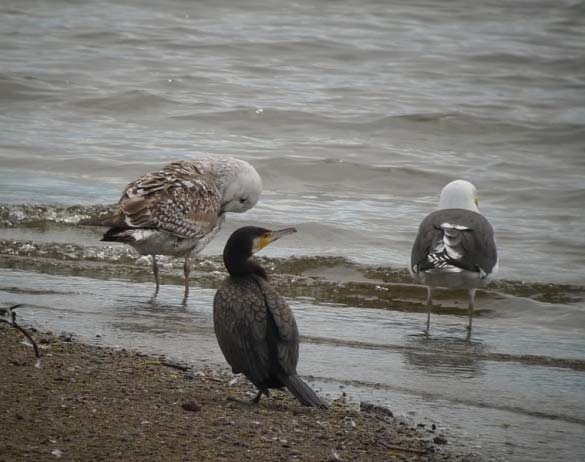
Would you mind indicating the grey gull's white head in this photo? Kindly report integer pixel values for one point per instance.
(459, 194)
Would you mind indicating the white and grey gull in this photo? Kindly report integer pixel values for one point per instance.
(179, 209)
(455, 246)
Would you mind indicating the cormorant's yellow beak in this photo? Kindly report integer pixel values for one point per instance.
(272, 236)
(476, 200)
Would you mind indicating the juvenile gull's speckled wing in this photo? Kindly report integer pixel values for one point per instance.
(256, 330)
(178, 199)
(454, 237)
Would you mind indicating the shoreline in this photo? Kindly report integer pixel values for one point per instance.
(90, 403)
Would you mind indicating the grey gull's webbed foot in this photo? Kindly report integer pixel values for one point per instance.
(429, 308)
(471, 293)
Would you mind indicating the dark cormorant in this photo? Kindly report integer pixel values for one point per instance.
(255, 328)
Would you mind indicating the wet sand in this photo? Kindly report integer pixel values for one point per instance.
(88, 403)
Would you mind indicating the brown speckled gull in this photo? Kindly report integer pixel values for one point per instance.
(179, 209)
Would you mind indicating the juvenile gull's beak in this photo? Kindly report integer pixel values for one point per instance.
(272, 236)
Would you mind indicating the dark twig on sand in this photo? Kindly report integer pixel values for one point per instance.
(394, 447)
(12, 322)
(181, 367)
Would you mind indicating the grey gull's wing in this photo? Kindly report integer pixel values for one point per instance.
(454, 237)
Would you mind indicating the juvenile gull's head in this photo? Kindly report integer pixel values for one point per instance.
(459, 194)
(239, 184)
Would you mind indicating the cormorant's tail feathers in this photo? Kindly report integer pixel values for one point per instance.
(303, 392)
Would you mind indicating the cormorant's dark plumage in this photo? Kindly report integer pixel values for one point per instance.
(255, 328)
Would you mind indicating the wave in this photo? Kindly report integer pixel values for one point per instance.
(307, 118)
(334, 279)
(373, 287)
(438, 395)
(329, 279)
(128, 101)
(17, 88)
(458, 353)
(463, 122)
(38, 215)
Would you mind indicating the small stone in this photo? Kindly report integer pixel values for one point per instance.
(375, 409)
(334, 456)
(439, 440)
(191, 406)
(145, 260)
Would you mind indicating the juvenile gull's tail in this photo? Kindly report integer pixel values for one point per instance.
(109, 221)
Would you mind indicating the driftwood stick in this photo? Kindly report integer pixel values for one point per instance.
(181, 367)
(394, 447)
(12, 322)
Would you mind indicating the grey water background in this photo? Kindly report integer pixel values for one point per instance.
(355, 114)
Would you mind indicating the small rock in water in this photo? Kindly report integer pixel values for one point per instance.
(57, 453)
(191, 406)
(66, 336)
(144, 260)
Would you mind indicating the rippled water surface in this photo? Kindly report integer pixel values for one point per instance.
(355, 114)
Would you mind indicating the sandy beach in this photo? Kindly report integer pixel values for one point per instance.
(87, 403)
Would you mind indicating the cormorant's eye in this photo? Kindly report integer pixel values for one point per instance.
(242, 200)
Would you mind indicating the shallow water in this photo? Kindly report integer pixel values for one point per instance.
(497, 395)
(355, 114)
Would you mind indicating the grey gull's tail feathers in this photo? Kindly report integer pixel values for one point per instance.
(303, 392)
